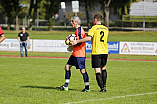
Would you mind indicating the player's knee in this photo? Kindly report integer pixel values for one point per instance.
(97, 70)
(103, 68)
(67, 67)
(83, 71)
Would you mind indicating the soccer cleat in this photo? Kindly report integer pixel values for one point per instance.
(85, 90)
(103, 90)
(62, 88)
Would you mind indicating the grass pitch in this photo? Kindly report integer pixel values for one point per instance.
(34, 81)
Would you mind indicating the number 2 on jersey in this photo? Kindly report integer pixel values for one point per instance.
(102, 35)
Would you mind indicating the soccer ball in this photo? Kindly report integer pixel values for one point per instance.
(70, 38)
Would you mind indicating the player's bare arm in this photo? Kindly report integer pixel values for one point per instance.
(2, 38)
(27, 39)
(19, 39)
(81, 40)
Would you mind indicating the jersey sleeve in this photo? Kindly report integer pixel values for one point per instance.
(91, 32)
(27, 34)
(19, 35)
(1, 32)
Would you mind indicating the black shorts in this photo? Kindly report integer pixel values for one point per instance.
(99, 61)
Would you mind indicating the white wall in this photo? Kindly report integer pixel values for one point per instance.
(147, 8)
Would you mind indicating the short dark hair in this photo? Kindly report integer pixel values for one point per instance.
(98, 17)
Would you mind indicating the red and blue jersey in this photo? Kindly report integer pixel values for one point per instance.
(79, 50)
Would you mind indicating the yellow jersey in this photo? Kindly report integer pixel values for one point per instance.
(99, 34)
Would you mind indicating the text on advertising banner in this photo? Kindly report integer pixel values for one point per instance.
(113, 47)
(138, 48)
(13, 45)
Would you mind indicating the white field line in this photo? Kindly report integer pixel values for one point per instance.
(116, 97)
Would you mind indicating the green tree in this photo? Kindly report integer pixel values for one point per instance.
(1, 12)
(8, 11)
(35, 12)
(123, 5)
(29, 16)
(42, 9)
(11, 8)
(16, 9)
(46, 9)
(69, 15)
(89, 5)
(52, 7)
(105, 8)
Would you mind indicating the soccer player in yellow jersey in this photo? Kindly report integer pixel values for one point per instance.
(98, 35)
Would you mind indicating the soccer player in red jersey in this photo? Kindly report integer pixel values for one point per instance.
(2, 36)
(77, 58)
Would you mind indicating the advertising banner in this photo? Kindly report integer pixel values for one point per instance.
(138, 48)
(113, 47)
(88, 47)
(13, 45)
(49, 45)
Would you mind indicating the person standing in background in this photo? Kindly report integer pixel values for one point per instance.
(23, 38)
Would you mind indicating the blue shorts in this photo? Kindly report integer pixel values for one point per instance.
(78, 62)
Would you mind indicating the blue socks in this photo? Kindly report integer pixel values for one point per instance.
(86, 80)
(67, 77)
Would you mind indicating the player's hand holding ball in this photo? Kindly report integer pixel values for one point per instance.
(70, 48)
(70, 38)
(68, 41)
